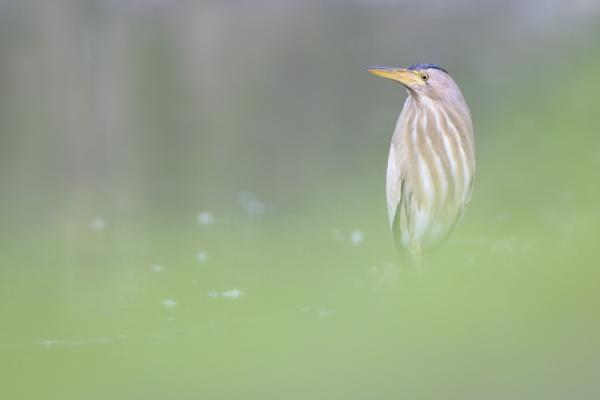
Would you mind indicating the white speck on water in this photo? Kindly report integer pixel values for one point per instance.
(157, 268)
(169, 303)
(51, 342)
(325, 313)
(97, 224)
(373, 270)
(232, 294)
(251, 204)
(383, 274)
(171, 319)
(195, 282)
(81, 342)
(304, 308)
(201, 256)
(508, 246)
(213, 294)
(356, 237)
(205, 218)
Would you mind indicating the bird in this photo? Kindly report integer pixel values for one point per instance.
(431, 163)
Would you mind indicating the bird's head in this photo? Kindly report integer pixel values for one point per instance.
(421, 80)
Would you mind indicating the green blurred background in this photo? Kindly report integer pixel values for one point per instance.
(193, 202)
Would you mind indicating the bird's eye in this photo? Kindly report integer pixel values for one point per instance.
(424, 77)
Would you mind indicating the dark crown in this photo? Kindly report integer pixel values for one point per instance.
(425, 66)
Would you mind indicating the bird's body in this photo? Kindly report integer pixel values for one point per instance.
(431, 162)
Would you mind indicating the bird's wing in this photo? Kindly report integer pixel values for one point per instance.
(397, 195)
(394, 182)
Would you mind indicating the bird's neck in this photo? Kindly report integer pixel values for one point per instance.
(423, 102)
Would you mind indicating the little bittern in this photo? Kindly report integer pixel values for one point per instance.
(432, 157)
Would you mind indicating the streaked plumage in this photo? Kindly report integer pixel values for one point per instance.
(432, 157)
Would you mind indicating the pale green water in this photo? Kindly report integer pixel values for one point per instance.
(110, 288)
(507, 308)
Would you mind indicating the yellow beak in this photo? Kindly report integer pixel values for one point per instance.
(402, 75)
